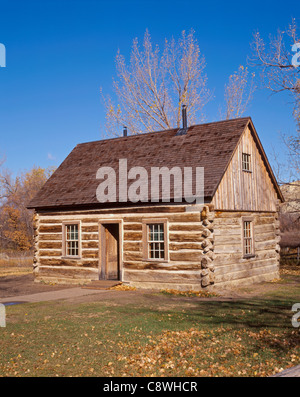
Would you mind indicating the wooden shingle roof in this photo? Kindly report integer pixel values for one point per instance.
(208, 145)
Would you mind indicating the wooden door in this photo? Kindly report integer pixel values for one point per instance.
(111, 247)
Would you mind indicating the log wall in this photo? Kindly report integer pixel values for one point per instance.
(204, 248)
(189, 240)
(231, 268)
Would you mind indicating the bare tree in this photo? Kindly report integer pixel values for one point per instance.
(152, 88)
(280, 73)
(239, 92)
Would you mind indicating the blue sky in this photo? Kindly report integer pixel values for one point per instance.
(60, 52)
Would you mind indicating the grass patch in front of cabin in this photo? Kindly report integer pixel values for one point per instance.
(169, 336)
(189, 293)
(15, 264)
(15, 267)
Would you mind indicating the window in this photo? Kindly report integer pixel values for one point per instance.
(71, 240)
(155, 240)
(246, 162)
(248, 238)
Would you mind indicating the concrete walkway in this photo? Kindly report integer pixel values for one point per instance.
(289, 373)
(51, 295)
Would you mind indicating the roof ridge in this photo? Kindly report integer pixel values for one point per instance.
(162, 131)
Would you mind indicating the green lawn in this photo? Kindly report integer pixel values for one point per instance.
(169, 336)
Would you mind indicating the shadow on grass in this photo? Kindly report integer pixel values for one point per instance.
(253, 314)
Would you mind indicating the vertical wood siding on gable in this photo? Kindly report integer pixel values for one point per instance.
(247, 191)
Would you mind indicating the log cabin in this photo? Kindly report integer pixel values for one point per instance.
(231, 239)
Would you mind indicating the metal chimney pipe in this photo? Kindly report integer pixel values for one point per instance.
(183, 130)
(184, 117)
(124, 131)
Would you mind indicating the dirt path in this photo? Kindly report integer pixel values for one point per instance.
(12, 286)
(24, 285)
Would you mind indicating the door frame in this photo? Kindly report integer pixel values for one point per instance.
(102, 247)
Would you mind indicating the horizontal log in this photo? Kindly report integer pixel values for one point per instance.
(161, 276)
(50, 229)
(68, 262)
(233, 230)
(181, 217)
(246, 281)
(246, 265)
(185, 237)
(234, 258)
(228, 239)
(264, 236)
(90, 244)
(187, 217)
(132, 219)
(132, 226)
(90, 228)
(227, 248)
(238, 214)
(132, 236)
(186, 227)
(219, 278)
(49, 237)
(132, 246)
(132, 256)
(89, 236)
(176, 246)
(266, 228)
(161, 266)
(261, 220)
(67, 272)
(90, 254)
(265, 245)
(57, 253)
(227, 222)
(49, 220)
(50, 244)
(155, 209)
(186, 255)
(264, 254)
(92, 219)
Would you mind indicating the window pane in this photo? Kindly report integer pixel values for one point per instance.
(156, 241)
(72, 240)
(247, 238)
(156, 232)
(246, 162)
(247, 229)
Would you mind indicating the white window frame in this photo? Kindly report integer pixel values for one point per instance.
(65, 240)
(146, 242)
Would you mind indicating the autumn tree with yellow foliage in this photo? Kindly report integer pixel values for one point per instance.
(16, 221)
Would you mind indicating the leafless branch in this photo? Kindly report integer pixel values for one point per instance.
(151, 89)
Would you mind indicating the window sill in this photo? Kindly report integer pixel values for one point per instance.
(249, 172)
(155, 260)
(249, 256)
(71, 257)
